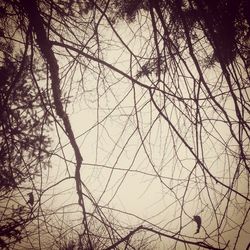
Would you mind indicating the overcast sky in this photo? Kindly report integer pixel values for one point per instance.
(134, 162)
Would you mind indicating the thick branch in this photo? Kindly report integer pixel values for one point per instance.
(36, 21)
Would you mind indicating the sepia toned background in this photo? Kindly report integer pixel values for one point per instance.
(121, 121)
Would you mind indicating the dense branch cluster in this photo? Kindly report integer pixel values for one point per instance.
(147, 104)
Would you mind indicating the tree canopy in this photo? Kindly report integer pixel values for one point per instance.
(124, 124)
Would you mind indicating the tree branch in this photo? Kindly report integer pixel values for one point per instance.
(131, 233)
(36, 21)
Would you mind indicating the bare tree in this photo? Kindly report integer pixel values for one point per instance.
(149, 105)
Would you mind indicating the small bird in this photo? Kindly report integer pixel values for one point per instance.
(197, 219)
(31, 199)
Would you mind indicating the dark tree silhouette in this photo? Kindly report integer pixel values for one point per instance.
(149, 109)
(24, 140)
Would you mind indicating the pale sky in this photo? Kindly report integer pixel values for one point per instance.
(138, 153)
(157, 183)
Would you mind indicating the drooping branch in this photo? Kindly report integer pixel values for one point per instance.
(131, 233)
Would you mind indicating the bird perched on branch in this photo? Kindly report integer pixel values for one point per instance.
(197, 219)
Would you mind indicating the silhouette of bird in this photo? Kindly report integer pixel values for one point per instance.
(31, 198)
(197, 219)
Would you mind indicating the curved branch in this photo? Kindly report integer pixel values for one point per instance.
(36, 21)
(131, 233)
